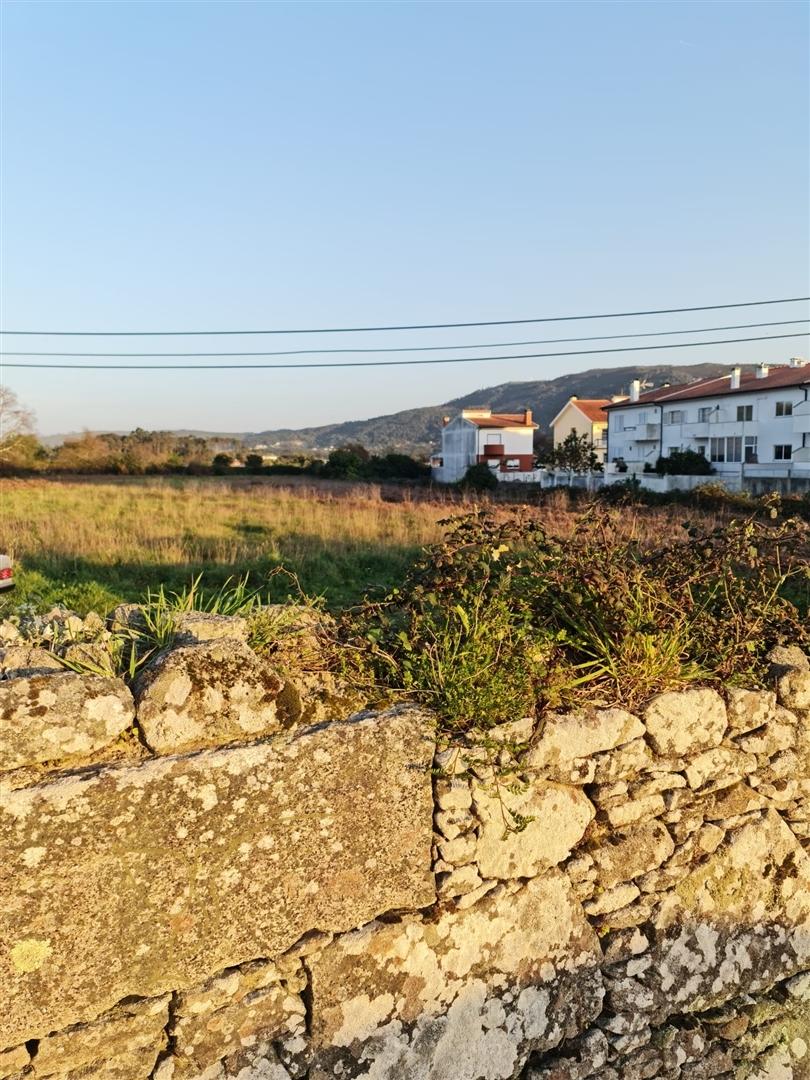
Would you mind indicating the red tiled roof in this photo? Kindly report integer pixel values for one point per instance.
(776, 378)
(593, 408)
(500, 420)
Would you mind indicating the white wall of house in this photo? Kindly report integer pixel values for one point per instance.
(739, 432)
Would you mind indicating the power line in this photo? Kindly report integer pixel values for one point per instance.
(425, 348)
(414, 326)
(392, 363)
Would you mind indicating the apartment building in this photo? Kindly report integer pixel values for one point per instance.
(752, 426)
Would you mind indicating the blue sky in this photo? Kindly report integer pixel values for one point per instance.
(222, 165)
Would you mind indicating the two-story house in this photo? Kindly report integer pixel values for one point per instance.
(503, 441)
(583, 416)
(752, 425)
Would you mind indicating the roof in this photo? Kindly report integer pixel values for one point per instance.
(777, 377)
(501, 420)
(592, 409)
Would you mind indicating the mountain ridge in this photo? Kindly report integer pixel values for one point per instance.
(417, 431)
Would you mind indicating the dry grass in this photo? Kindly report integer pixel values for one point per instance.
(92, 543)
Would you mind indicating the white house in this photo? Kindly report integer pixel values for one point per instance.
(583, 416)
(504, 441)
(754, 428)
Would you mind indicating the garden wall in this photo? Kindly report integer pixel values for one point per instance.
(215, 874)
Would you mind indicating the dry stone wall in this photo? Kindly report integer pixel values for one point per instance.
(201, 883)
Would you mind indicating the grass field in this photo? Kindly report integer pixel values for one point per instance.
(90, 544)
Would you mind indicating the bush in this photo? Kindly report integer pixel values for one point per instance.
(684, 463)
(480, 477)
(500, 617)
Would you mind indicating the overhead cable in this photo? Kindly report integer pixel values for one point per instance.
(410, 326)
(424, 348)
(389, 363)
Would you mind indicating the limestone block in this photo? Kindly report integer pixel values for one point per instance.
(625, 763)
(722, 766)
(48, 717)
(94, 656)
(569, 737)
(630, 852)
(118, 1034)
(748, 709)
(258, 1002)
(613, 899)
(13, 1060)
(466, 996)
(784, 657)
(636, 810)
(23, 661)
(737, 923)
(192, 627)
(793, 689)
(559, 816)
(9, 633)
(132, 880)
(685, 721)
(779, 733)
(207, 694)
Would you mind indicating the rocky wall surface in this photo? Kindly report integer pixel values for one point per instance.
(218, 871)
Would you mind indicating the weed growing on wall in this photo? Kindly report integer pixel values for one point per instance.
(501, 618)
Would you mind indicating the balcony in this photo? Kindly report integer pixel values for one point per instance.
(647, 433)
(493, 450)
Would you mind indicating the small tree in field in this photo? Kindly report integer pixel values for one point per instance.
(16, 422)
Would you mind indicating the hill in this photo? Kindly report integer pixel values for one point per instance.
(416, 431)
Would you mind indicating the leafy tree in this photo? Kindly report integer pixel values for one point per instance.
(575, 453)
(349, 462)
(254, 462)
(222, 462)
(16, 421)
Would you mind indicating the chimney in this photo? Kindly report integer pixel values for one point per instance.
(445, 421)
(635, 389)
(797, 361)
(762, 371)
(736, 372)
(528, 416)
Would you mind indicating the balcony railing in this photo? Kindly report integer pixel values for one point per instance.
(647, 433)
(493, 450)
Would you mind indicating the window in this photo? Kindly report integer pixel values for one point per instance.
(784, 408)
(513, 463)
(619, 422)
(674, 416)
(745, 412)
(728, 449)
(751, 450)
(783, 452)
(673, 450)
(642, 418)
(704, 414)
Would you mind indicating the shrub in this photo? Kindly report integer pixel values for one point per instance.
(500, 618)
(479, 477)
(684, 463)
